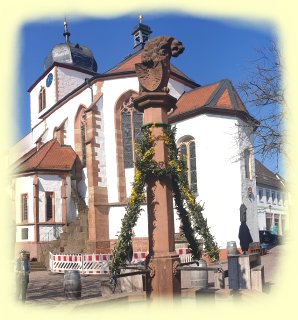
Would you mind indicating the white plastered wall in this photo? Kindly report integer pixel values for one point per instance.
(244, 140)
(68, 80)
(24, 185)
(117, 213)
(67, 111)
(64, 81)
(50, 183)
(34, 97)
(112, 90)
(218, 172)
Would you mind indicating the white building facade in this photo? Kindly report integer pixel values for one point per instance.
(83, 133)
(272, 201)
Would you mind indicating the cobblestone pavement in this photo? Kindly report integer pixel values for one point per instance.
(47, 288)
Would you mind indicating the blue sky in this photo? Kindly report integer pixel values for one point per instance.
(214, 49)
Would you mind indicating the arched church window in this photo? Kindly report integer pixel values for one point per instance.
(42, 99)
(50, 207)
(247, 164)
(187, 148)
(24, 207)
(131, 123)
(83, 138)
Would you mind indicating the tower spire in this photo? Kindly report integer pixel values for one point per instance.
(66, 33)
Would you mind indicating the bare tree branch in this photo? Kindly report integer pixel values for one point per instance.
(263, 94)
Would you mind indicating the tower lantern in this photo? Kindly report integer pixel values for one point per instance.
(141, 34)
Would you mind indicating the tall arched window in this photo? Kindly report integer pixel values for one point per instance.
(247, 164)
(188, 150)
(131, 123)
(42, 99)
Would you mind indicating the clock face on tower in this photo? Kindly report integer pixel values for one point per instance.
(49, 79)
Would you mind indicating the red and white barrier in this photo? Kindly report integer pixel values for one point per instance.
(97, 263)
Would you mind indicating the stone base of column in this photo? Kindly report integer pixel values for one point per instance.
(161, 283)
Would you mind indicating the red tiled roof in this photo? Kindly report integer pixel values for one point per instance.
(195, 98)
(51, 156)
(216, 96)
(128, 64)
(224, 101)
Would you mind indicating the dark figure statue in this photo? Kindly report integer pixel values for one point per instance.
(22, 275)
(244, 233)
(154, 71)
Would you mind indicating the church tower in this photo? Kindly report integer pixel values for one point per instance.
(141, 34)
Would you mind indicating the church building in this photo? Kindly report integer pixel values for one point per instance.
(78, 159)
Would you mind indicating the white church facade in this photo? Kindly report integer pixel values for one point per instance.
(82, 140)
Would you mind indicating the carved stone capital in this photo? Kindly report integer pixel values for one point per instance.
(152, 268)
(154, 100)
(175, 266)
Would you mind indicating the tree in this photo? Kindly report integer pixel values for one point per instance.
(262, 92)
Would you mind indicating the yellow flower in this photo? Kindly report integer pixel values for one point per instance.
(148, 154)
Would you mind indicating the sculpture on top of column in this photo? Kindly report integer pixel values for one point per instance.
(154, 71)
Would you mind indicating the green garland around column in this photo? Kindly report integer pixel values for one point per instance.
(190, 212)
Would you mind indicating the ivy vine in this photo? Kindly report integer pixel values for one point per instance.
(189, 211)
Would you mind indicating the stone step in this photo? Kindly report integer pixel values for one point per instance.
(37, 266)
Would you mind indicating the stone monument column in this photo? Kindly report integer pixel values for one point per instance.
(155, 102)
(163, 280)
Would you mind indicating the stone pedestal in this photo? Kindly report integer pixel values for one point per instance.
(239, 267)
(163, 280)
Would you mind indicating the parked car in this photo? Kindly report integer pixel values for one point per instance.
(269, 237)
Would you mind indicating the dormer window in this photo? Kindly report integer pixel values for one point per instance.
(42, 98)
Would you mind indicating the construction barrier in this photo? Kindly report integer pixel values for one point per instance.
(97, 263)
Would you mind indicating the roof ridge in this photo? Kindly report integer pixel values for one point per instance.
(218, 91)
(235, 96)
(232, 92)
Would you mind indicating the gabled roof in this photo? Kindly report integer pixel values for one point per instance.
(128, 65)
(266, 177)
(51, 156)
(216, 97)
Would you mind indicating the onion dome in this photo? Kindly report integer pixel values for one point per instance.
(72, 54)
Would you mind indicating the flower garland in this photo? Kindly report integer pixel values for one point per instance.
(146, 167)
